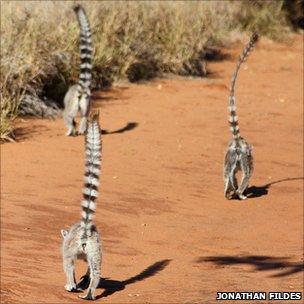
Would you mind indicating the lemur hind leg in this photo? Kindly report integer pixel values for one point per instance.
(69, 269)
(83, 125)
(71, 124)
(230, 168)
(246, 164)
(71, 109)
(84, 106)
(94, 261)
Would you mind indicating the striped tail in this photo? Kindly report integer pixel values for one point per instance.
(233, 119)
(85, 46)
(93, 149)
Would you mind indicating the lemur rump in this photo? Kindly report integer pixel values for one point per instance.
(82, 240)
(239, 153)
(77, 97)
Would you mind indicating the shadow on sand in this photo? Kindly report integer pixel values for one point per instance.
(260, 263)
(112, 286)
(255, 191)
(128, 127)
(28, 132)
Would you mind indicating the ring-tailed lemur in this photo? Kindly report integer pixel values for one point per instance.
(82, 240)
(238, 156)
(78, 96)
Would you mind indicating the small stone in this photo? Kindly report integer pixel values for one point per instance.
(133, 295)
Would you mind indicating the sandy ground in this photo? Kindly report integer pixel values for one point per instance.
(169, 235)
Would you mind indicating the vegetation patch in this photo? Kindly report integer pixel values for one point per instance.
(134, 40)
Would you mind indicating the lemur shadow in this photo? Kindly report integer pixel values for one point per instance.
(260, 263)
(27, 132)
(128, 127)
(255, 191)
(112, 286)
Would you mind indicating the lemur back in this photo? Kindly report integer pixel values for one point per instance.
(82, 240)
(78, 96)
(239, 153)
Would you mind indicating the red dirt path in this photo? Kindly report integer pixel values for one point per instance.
(162, 207)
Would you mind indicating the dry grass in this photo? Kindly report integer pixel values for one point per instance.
(135, 40)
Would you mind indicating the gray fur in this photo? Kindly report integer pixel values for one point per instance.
(82, 240)
(238, 157)
(239, 153)
(78, 96)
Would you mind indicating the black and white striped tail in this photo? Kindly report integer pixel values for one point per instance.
(85, 45)
(233, 119)
(93, 148)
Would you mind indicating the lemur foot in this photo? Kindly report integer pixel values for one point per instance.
(242, 196)
(70, 287)
(88, 296)
(230, 194)
(72, 132)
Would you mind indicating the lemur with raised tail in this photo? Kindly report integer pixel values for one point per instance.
(78, 97)
(239, 153)
(82, 240)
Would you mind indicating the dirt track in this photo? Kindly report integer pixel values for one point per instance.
(169, 235)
